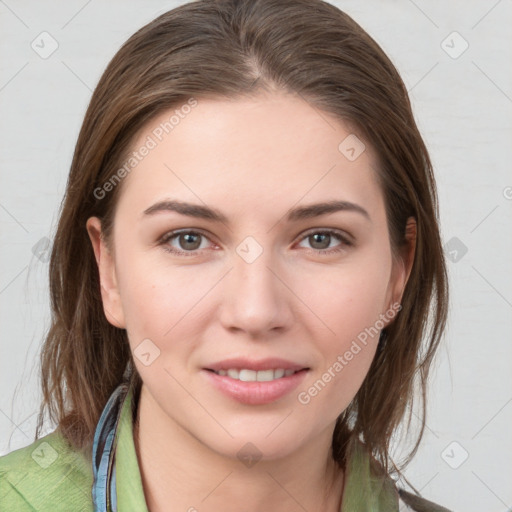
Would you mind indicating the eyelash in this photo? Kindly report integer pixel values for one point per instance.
(172, 234)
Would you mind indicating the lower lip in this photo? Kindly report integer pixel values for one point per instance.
(255, 393)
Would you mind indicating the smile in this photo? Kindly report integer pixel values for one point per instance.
(246, 375)
(255, 387)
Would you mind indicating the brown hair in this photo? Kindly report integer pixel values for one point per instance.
(227, 49)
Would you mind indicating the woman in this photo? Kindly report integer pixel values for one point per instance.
(247, 276)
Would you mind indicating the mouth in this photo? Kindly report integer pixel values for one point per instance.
(248, 375)
(255, 383)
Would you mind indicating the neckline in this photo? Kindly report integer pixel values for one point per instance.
(361, 490)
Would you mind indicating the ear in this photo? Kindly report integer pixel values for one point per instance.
(403, 265)
(108, 280)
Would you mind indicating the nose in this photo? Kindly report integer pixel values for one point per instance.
(255, 298)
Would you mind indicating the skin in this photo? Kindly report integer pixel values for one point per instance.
(253, 159)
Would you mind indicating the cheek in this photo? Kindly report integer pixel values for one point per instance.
(159, 302)
(350, 304)
(347, 299)
(335, 388)
(162, 313)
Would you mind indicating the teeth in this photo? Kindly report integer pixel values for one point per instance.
(233, 374)
(278, 373)
(246, 375)
(264, 375)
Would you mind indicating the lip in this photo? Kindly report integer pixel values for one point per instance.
(251, 364)
(255, 393)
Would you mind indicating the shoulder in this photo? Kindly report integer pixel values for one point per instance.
(411, 502)
(366, 480)
(47, 475)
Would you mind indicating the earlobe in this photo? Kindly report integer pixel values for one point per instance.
(110, 296)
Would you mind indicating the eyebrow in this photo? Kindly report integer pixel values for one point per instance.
(299, 213)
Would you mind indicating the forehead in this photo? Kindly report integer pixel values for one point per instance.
(248, 153)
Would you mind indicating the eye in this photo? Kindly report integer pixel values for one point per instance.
(321, 241)
(189, 242)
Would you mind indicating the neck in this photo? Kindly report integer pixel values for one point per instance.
(176, 468)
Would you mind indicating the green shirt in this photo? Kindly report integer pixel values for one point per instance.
(50, 476)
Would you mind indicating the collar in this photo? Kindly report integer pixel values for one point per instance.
(117, 481)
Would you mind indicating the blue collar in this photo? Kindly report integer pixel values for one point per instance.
(103, 452)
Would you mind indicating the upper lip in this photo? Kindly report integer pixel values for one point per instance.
(253, 364)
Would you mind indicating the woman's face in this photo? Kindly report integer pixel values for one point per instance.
(245, 273)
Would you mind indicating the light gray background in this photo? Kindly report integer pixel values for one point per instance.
(463, 105)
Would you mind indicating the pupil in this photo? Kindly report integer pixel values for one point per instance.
(188, 237)
(327, 236)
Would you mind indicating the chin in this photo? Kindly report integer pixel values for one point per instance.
(254, 444)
